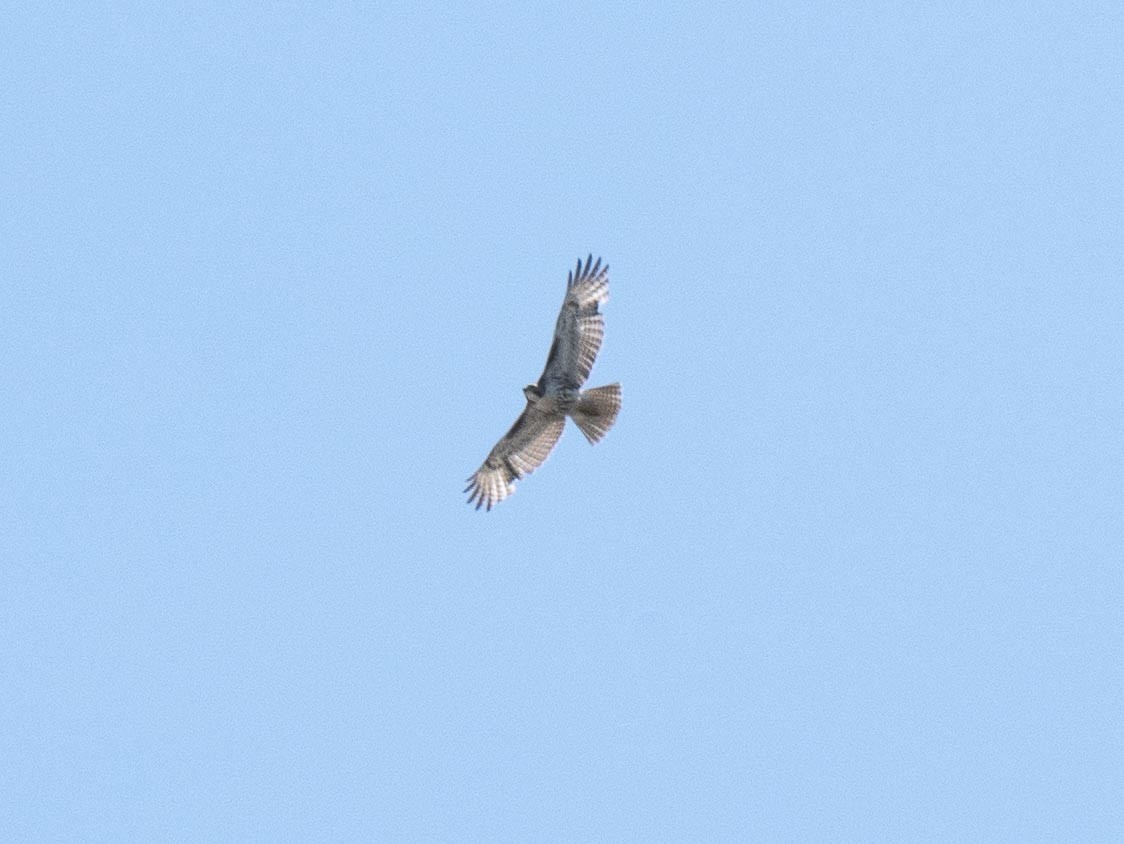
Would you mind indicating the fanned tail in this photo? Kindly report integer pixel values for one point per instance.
(596, 411)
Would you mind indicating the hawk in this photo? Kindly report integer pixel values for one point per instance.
(558, 393)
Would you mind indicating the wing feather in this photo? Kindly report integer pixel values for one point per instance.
(519, 452)
(579, 329)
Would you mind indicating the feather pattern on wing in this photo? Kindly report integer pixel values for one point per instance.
(579, 329)
(519, 452)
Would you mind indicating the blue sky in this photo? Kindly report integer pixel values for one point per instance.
(849, 565)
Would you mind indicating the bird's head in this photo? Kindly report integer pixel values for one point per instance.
(532, 392)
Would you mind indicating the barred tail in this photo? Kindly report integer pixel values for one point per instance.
(596, 411)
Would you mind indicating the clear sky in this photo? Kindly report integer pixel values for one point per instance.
(849, 567)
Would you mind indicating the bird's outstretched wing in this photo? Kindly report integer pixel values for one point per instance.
(521, 450)
(580, 327)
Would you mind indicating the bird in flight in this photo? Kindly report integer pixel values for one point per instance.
(558, 393)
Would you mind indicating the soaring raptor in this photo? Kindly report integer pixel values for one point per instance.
(558, 393)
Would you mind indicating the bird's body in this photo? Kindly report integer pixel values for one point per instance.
(557, 394)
